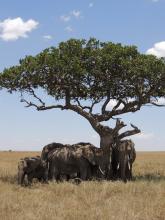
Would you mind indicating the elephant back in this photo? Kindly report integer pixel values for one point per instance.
(28, 164)
(48, 148)
(62, 153)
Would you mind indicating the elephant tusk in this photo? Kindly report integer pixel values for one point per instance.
(118, 166)
(110, 158)
(129, 166)
(103, 173)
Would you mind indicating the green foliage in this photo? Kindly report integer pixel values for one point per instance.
(89, 70)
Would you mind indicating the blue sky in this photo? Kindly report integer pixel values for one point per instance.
(28, 27)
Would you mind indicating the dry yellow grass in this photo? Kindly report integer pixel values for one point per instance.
(142, 199)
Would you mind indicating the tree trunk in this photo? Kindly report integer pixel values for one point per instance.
(106, 142)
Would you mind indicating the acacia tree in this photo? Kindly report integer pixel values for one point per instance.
(85, 76)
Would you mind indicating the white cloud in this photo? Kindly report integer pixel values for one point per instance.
(155, 0)
(113, 103)
(159, 101)
(12, 29)
(65, 18)
(158, 49)
(69, 29)
(91, 5)
(47, 37)
(76, 13)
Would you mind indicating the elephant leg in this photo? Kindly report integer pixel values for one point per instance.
(40, 179)
(67, 177)
(51, 172)
(89, 173)
(130, 172)
(30, 178)
(115, 170)
(127, 172)
(123, 167)
(54, 173)
(83, 173)
(110, 172)
(124, 177)
(21, 176)
(45, 176)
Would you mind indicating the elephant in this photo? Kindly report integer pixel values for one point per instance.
(123, 156)
(78, 158)
(33, 167)
(48, 148)
(96, 157)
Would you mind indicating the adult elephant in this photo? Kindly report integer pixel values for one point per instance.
(78, 158)
(46, 153)
(123, 156)
(32, 167)
(96, 157)
(48, 148)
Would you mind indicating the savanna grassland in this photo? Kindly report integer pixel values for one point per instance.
(141, 199)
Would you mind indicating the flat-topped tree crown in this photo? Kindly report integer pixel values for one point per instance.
(81, 74)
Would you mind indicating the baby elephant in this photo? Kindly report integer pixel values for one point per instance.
(32, 167)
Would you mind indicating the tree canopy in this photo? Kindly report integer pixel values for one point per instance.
(81, 74)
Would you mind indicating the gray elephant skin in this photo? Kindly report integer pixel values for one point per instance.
(124, 155)
(81, 158)
(32, 167)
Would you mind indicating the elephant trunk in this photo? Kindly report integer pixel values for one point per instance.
(122, 167)
(21, 176)
(21, 171)
(129, 165)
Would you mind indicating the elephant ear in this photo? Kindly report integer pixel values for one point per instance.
(46, 150)
(22, 164)
(130, 145)
(99, 152)
(122, 146)
(89, 155)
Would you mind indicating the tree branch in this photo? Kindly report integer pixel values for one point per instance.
(93, 121)
(93, 104)
(136, 130)
(83, 107)
(119, 125)
(42, 107)
(103, 110)
(90, 108)
(128, 107)
(35, 96)
(67, 99)
(79, 109)
(159, 105)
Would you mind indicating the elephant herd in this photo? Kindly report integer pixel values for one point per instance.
(81, 161)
